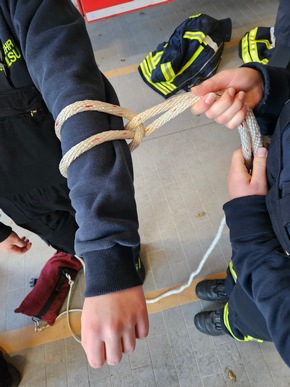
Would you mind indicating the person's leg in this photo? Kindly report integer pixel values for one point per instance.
(211, 322)
(47, 213)
(9, 375)
(239, 317)
(242, 319)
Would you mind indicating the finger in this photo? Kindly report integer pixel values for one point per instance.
(259, 171)
(222, 104)
(142, 327)
(129, 341)
(27, 247)
(238, 118)
(114, 349)
(204, 103)
(238, 172)
(238, 176)
(19, 242)
(237, 166)
(235, 113)
(95, 351)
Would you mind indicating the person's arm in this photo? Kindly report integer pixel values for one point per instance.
(55, 45)
(13, 244)
(60, 60)
(262, 269)
(264, 89)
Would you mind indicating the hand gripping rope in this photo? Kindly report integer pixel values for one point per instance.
(134, 130)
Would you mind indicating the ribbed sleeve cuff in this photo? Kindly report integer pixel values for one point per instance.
(110, 270)
(247, 217)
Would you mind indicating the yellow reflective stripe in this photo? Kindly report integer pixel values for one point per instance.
(253, 36)
(232, 271)
(254, 52)
(163, 87)
(192, 59)
(227, 324)
(150, 62)
(167, 85)
(167, 71)
(153, 61)
(250, 338)
(201, 37)
(244, 50)
(156, 58)
(198, 35)
(226, 321)
(193, 16)
(249, 47)
(253, 45)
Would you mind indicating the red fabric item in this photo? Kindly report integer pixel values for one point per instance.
(46, 298)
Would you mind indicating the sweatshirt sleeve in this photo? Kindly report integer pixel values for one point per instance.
(276, 94)
(5, 231)
(262, 269)
(60, 60)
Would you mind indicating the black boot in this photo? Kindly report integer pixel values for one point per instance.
(210, 323)
(9, 375)
(211, 290)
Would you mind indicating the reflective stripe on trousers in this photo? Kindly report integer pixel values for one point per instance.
(226, 312)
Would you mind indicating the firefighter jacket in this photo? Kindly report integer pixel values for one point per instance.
(192, 54)
(256, 45)
(259, 225)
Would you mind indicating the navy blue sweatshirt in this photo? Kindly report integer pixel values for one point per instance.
(262, 267)
(45, 43)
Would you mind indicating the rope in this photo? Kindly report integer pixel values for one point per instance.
(251, 138)
(135, 130)
(198, 270)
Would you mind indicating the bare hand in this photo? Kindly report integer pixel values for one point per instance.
(240, 182)
(238, 88)
(15, 245)
(111, 323)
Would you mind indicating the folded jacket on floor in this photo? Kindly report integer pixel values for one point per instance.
(191, 55)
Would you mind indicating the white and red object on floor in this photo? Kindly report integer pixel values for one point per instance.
(94, 10)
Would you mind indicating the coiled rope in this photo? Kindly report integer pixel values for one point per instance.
(134, 130)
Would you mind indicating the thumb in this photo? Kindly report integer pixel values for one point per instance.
(259, 170)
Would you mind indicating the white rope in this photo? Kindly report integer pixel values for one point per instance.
(198, 270)
(71, 284)
(251, 138)
(135, 130)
